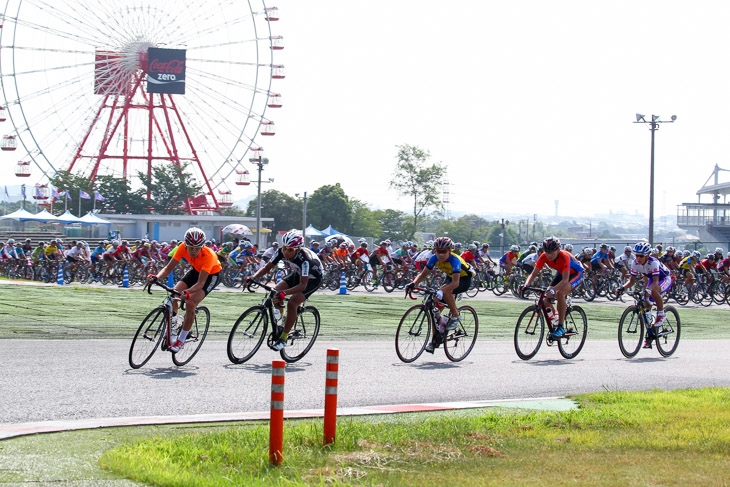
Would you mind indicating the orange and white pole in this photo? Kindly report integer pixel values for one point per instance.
(276, 421)
(330, 396)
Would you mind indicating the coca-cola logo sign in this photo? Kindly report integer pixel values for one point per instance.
(166, 71)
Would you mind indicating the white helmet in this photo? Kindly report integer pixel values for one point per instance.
(292, 239)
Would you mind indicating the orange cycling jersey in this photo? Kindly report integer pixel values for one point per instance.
(342, 253)
(207, 260)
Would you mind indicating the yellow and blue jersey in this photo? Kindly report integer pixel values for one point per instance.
(454, 264)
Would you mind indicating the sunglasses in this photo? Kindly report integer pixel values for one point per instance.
(443, 251)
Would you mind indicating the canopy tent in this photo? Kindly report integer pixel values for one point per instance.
(337, 239)
(310, 231)
(91, 219)
(18, 215)
(68, 217)
(331, 231)
(43, 216)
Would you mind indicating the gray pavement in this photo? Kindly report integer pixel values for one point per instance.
(70, 380)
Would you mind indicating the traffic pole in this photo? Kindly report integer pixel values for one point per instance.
(343, 283)
(59, 277)
(330, 396)
(276, 421)
(170, 280)
(125, 277)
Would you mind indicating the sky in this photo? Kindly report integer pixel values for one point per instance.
(524, 102)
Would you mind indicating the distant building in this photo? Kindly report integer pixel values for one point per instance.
(710, 221)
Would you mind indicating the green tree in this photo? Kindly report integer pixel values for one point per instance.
(170, 186)
(415, 179)
(329, 205)
(119, 197)
(66, 181)
(394, 225)
(494, 239)
(365, 221)
(284, 209)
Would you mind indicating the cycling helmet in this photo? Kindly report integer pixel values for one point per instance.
(315, 243)
(728, 255)
(642, 248)
(275, 244)
(384, 242)
(472, 247)
(612, 249)
(148, 245)
(79, 244)
(476, 243)
(711, 257)
(364, 245)
(124, 242)
(247, 245)
(27, 240)
(670, 249)
(155, 242)
(686, 253)
(485, 246)
(568, 247)
(655, 251)
(327, 244)
(343, 245)
(533, 248)
(604, 246)
(458, 245)
(294, 240)
(550, 244)
(659, 246)
(41, 243)
(11, 241)
(697, 254)
(194, 237)
(587, 250)
(429, 244)
(387, 240)
(173, 242)
(628, 247)
(208, 243)
(443, 243)
(717, 250)
(362, 239)
(515, 248)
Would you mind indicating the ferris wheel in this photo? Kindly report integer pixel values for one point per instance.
(81, 92)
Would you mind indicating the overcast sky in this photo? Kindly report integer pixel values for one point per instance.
(524, 102)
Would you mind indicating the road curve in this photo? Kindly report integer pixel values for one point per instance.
(66, 379)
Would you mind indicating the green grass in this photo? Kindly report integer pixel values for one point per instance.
(75, 312)
(614, 438)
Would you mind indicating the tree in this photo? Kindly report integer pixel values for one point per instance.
(416, 180)
(364, 220)
(170, 187)
(329, 205)
(394, 225)
(66, 181)
(119, 197)
(284, 209)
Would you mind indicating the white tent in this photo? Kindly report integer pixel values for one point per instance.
(18, 215)
(68, 217)
(92, 219)
(43, 216)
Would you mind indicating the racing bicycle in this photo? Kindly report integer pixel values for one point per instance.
(636, 320)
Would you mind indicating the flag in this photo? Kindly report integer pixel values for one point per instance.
(22, 190)
(98, 197)
(6, 193)
(68, 195)
(84, 195)
(56, 193)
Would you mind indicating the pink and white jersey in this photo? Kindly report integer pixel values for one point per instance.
(652, 268)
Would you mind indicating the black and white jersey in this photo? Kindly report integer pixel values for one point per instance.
(305, 263)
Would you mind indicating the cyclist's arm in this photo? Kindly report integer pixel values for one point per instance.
(264, 270)
(532, 275)
(167, 269)
(455, 278)
(422, 275)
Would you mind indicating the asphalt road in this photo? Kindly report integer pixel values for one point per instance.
(61, 380)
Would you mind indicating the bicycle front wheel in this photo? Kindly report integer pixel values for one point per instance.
(247, 334)
(576, 329)
(148, 337)
(461, 340)
(302, 335)
(630, 331)
(388, 281)
(368, 283)
(413, 333)
(195, 337)
(668, 335)
(529, 332)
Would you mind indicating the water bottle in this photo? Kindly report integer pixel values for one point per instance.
(550, 314)
(440, 321)
(277, 315)
(649, 318)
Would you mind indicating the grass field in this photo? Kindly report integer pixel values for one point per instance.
(75, 312)
(615, 438)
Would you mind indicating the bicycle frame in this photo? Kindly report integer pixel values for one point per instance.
(172, 296)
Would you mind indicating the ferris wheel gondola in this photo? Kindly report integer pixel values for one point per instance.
(76, 92)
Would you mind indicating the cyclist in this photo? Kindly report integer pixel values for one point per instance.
(723, 268)
(484, 254)
(624, 261)
(509, 260)
(304, 279)
(689, 264)
(568, 277)
(657, 281)
(361, 256)
(197, 283)
(39, 253)
(380, 256)
(458, 279)
(600, 263)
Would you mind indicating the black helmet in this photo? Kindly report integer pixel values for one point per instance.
(551, 243)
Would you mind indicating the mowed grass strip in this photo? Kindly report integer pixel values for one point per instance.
(80, 312)
(614, 438)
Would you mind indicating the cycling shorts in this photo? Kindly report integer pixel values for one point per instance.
(464, 283)
(192, 276)
(575, 279)
(664, 285)
(294, 278)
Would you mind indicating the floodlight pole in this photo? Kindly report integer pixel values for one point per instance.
(653, 126)
(260, 163)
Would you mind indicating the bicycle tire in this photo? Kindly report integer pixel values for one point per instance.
(302, 335)
(681, 295)
(717, 291)
(413, 333)
(148, 337)
(570, 345)
(612, 287)
(368, 283)
(247, 334)
(630, 331)
(473, 288)
(668, 337)
(526, 345)
(194, 340)
(388, 281)
(460, 341)
(589, 293)
(500, 287)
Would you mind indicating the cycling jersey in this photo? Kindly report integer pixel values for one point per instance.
(206, 260)
(50, 250)
(359, 253)
(9, 252)
(563, 261)
(651, 268)
(39, 252)
(304, 263)
(596, 259)
(511, 256)
(723, 264)
(467, 256)
(689, 262)
(451, 266)
(708, 264)
(531, 259)
(625, 259)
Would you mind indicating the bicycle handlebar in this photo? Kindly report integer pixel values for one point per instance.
(409, 292)
(168, 289)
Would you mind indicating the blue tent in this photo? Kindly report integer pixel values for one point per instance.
(313, 232)
(331, 231)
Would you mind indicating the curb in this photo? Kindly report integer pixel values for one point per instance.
(8, 431)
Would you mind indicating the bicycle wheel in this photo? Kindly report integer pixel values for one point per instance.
(461, 340)
(413, 333)
(717, 291)
(589, 293)
(529, 331)
(247, 334)
(388, 282)
(630, 331)
(500, 286)
(681, 294)
(195, 337)
(576, 329)
(668, 336)
(367, 281)
(302, 335)
(148, 337)
(612, 286)
(473, 287)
